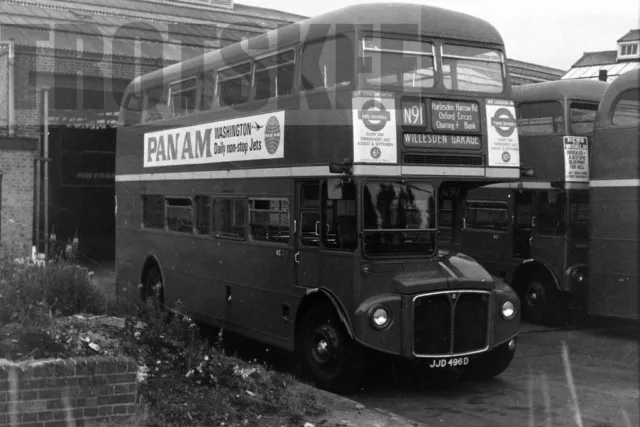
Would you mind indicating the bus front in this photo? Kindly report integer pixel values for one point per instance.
(432, 118)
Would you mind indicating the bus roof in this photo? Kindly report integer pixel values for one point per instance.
(556, 90)
(429, 20)
(626, 81)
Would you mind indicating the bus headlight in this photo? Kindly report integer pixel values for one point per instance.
(380, 317)
(508, 310)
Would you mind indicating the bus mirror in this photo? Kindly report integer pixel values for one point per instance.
(528, 172)
(340, 168)
(334, 189)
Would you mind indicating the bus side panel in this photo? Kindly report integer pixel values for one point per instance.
(613, 252)
(616, 154)
(545, 154)
(128, 261)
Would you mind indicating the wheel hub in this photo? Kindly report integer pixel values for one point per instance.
(326, 345)
(535, 294)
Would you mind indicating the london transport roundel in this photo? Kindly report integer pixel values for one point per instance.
(504, 122)
(272, 134)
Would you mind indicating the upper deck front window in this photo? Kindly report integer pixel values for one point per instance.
(472, 69)
(397, 63)
(399, 218)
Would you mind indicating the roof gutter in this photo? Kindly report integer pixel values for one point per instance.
(10, 85)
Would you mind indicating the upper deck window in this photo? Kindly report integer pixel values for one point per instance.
(234, 85)
(274, 75)
(182, 97)
(131, 112)
(583, 116)
(472, 69)
(327, 64)
(397, 62)
(626, 112)
(540, 118)
(158, 104)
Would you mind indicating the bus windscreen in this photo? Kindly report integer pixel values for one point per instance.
(399, 218)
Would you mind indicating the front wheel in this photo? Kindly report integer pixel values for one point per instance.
(541, 302)
(490, 364)
(327, 353)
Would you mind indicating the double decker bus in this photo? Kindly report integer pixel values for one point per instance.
(534, 233)
(286, 188)
(614, 189)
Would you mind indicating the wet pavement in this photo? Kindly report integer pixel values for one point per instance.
(595, 385)
(585, 376)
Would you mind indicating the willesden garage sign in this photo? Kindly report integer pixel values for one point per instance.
(258, 137)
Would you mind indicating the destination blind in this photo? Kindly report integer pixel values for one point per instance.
(428, 140)
(454, 116)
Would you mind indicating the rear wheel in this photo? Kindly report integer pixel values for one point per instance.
(490, 364)
(152, 287)
(327, 353)
(541, 301)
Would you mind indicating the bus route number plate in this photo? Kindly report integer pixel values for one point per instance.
(449, 363)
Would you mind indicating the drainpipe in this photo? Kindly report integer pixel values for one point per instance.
(10, 86)
(45, 159)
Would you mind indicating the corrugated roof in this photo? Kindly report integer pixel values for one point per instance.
(592, 72)
(597, 58)
(632, 35)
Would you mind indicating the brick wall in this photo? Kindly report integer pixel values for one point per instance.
(16, 205)
(73, 392)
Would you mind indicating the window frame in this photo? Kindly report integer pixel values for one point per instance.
(215, 233)
(217, 97)
(563, 125)
(615, 104)
(250, 209)
(504, 207)
(502, 61)
(294, 82)
(303, 47)
(362, 49)
(166, 214)
(196, 100)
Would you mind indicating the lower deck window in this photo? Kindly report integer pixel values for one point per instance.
(153, 211)
(269, 220)
(229, 218)
(180, 215)
(487, 215)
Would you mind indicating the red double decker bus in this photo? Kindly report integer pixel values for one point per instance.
(286, 188)
(614, 189)
(534, 233)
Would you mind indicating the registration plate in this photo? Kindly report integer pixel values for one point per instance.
(449, 362)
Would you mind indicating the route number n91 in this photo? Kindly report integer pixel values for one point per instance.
(413, 113)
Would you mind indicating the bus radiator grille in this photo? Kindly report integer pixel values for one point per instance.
(424, 159)
(439, 333)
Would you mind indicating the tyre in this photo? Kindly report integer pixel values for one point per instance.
(541, 301)
(327, 354)
(490, 364)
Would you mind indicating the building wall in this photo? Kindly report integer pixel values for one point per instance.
(4, 90)
(16, 203)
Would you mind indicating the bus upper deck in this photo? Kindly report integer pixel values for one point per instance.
(402, 87)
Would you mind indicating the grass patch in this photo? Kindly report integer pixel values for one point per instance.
(56, 311)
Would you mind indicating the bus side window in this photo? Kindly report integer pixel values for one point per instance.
(153, 211)
(339, 217)
(180, 215)
(208, 91)
(274, 75)
(131, 113)
(269, 220)
(627, 110)
(203, 214)
(229, 218)
(327, 64)
(487, 215)
(234, 85)
(540, 118)
(157, 104)
(182, 97)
